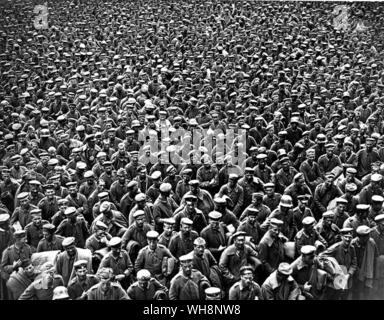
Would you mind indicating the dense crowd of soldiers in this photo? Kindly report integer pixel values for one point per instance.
(191, 150)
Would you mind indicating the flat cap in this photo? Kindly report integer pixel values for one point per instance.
(152, 234)
(379, 218)
(285, 268)
(199, 241)
(138, 213)
(171, 221)
(308, 249)
(22, 195)
(363, 230)
(362, 207)
(101, 225)
(186, 220)
(140, 197)
(214, 215)
(377, 198)
(307, 221)
(165, 187)
(328, 214)
(4, 217)
(69, 211)
(80, 263)
(115, 241)
(376, 177)
(156, 175)
(276, 222)
(68, 241)
(19, 234)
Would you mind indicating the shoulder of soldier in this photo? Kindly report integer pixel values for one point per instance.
(95, 287)
(28, 226)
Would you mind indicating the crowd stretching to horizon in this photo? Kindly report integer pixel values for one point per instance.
(191, 150)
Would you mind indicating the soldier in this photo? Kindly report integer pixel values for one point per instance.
(134, 237)
(345, 255)
(280, 285)
(358, 219)
(366, 256)
(59, 216)
(21, 279)
(14, 255)
(377, 235)
(235, 192)
(107, 288)
(22, 213)
(246, 288)
(327, 229)
(79, 285)
(43, 287)
(308, 236)
(142, 204)
(306, 270)
(118, 260)
(182, 242)
(153, 257)
(147, 288)
(50, 241)
(191, 212)
(168, 233)
(235, 256)
(251, 226)
(188, 284)
(74, 226)
(65, 260)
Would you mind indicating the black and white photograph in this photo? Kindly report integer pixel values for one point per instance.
(194, 150)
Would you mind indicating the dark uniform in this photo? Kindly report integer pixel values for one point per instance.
(76, 287)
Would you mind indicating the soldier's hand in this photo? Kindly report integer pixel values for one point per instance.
(307, 286)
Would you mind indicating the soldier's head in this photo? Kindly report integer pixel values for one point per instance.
(346, 236)
(252, 214)
(49, 191)
(362, 211)
(190, 202)
(269, 189)
(168, 225)
(257, 198)
(115, 245)
(283, 272)
(23, 199)
(48, 230)
(199, 246)
(106, 276)
(152, 239)
(48, 273)
(194, 186)
(239, 240)
(308, 254)
(69, 246)
(246, 275)
(80, 267)
(379, 219)
(308, 224)
(20, 237)
(72, 188)
(28, 268)
(186, 226)
(36, 217)
(363, 234)
(143, 277)
(139, 217)
(275, 227)
(63, 204)
(186, 263)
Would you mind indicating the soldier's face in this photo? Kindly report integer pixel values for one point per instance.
(81, 272)
(152, 243)
(199, 250)
(185, 228)
(240, 242)
(346, 238)
(140, 221)
(247, 278)
(143, 282)
(71, 250)
(29, 270)
(186, 266)
(37, 220)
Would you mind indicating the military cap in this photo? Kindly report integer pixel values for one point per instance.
(22, 195)
(239, 234)
(35, 212)
(138, 213)
(341, 200)
(276, 222)
(377, 198)
(285, 268)
(68, 241)
(233, 176)
(62, 201)
(261, 156)
(346, 231)
(212, 292)
(351, 170)
(308, 250)
(170, 221)
(363, 230)
(252, 212)
(115, 241)
(152, 234)
(249, 169)
(35, 182)
(143, 274)
(307, 221)
(328, 214)
(88, 174)
(140, 197)
(165, 187)
(362, 207)
(80, 263)
(194, 182)
(199, 241)
(219, 200)
(376, 177)
(4, 217)
(215, 215)
(102, 195)
(286, 201)
(101, 225)
(156, 175)
(69, 211)
(187, 171)
(379, 218)
(107, 163)
(19, 233)
(186, 220)
(71, 184)
(81, 165)
(190, 198)
(186, 258)
(329, 175)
